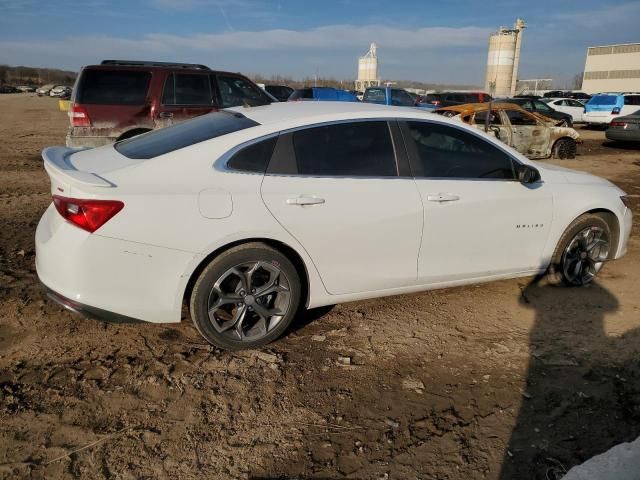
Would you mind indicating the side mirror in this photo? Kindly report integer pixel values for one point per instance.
(528, 174)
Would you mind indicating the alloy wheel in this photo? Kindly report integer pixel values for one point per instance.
(585, 254)
(249, 300)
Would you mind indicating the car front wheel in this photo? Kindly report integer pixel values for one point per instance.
(246, 297)
(581, 251)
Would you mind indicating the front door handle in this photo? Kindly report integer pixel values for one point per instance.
(305, 200)
(442, 197)
(165, 114)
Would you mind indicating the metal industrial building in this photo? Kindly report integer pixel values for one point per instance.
(503, 60)
(612, 68)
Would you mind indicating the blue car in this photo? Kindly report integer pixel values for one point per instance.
(602, 108)
(398, 97)
(322, 94)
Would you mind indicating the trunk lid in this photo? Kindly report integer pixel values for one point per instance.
(74, 171)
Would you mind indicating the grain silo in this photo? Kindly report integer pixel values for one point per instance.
(368, 69)
(503, 59)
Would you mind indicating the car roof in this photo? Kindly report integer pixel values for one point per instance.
(293, 114)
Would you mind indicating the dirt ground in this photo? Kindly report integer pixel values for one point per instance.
(509, 380)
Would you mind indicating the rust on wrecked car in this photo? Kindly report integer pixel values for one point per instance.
(539, 138)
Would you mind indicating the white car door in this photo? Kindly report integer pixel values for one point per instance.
(479, 221)
(336, 188)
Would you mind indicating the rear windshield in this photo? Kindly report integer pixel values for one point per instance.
(113, 87)
(603, 100)
(375, 95)
(196, 130)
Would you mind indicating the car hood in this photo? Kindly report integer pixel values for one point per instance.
(574, 176)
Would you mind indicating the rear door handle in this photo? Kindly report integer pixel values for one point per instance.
(165, 114)
(442, 197)
(305, 200)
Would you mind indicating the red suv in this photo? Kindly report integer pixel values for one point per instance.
(119, 99)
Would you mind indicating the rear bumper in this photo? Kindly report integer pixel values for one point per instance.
(598, 119)
(622, 135)
(107, 277)
(73, 141)
(88, 311)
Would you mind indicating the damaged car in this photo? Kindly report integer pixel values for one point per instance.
(531, 134)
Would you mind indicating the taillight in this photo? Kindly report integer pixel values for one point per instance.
(89, 215)
(618, 124)
(615, 111)
(79, 116)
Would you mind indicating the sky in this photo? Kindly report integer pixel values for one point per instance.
(441, 41)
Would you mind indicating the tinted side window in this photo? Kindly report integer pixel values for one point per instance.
(187, 89)
(541, 107)
(253, 158)
(632, 100)
(442, 151)
(358, 149)
(113, 87)
(520, 118)
(236, 91)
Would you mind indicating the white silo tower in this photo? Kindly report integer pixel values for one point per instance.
(503, 60)
(368, 69)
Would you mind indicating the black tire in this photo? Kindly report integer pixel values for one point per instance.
(564, 148)
(255, 330)
(557, 273)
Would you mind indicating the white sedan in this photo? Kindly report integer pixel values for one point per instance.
(570, 106)
(250, 214)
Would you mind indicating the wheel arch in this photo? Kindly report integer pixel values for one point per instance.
(614, 225)
(282, 247)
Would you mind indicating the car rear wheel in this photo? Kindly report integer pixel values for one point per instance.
(564, 148)
(581, 251)
(246, 297)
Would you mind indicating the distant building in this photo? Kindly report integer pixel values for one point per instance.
(612, 68)
(368, 69)
(503, 60)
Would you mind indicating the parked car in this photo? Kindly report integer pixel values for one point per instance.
(119, 99)
(625, 128)
(398, 97)
(538, 106)
(531, 134)
(44, 90)
(248, 214)
(569, 106)
(447, 99)
(602, 108)
(280, 92)
(322, 94)
(60, 91)
(26, 88)
(8, 89)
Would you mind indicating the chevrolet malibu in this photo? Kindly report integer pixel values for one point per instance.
(250, 214)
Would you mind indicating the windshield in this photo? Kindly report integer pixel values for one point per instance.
(196, 130)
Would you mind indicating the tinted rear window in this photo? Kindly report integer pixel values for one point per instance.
(603, 100)
(113, 87)
(183, 134)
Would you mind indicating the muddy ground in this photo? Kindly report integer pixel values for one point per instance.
(509, 380)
